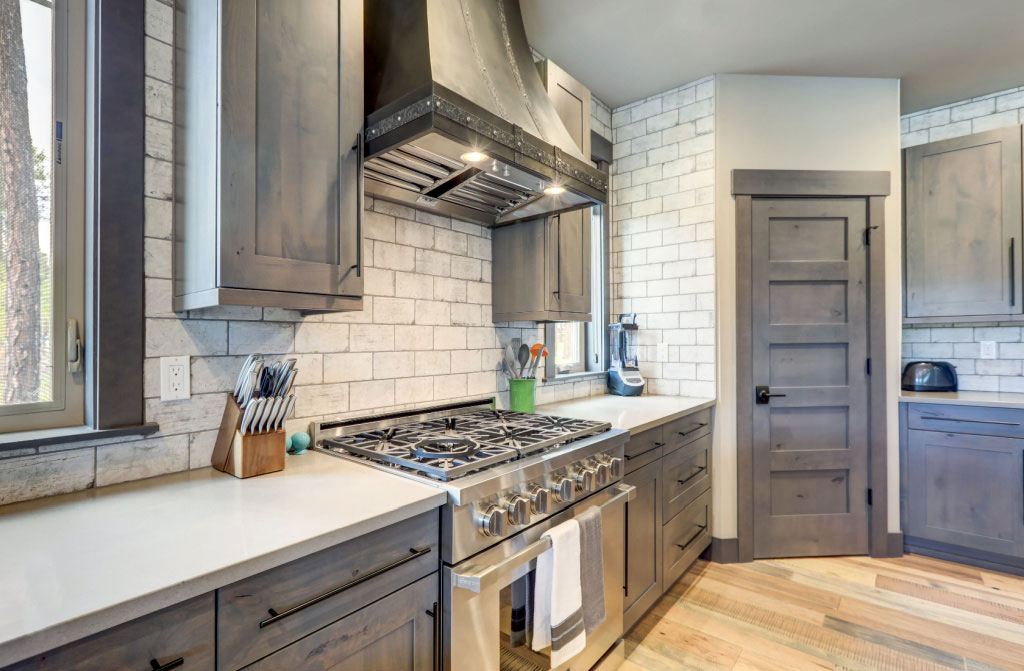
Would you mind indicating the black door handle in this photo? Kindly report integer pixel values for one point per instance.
(763, 394)
(168, 666)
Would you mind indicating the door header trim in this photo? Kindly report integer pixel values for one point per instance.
(810, 182)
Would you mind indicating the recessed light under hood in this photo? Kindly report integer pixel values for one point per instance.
(452, 80)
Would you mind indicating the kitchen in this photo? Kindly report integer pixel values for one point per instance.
(364, 324)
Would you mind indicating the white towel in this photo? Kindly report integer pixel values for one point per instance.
(558, 597)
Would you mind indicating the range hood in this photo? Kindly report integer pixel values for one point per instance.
(458, 120)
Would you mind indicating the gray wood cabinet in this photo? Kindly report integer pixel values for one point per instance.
(397, 633)
(962, 482)
(183, 632)
(643, 543)
(668, 523)
(964, 227)
(269, 154)
(541, 268)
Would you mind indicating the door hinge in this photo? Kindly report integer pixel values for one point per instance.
(869, 496)
(867, 235)
(867, 367)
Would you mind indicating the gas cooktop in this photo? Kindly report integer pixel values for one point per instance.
(449, 447)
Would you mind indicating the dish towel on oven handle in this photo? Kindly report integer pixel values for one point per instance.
(558, 597)
(591, 568)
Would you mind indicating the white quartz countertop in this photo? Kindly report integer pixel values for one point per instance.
(993, 399)
(76, 564)
(632, 413)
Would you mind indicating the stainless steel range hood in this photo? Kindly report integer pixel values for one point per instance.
(458, 120)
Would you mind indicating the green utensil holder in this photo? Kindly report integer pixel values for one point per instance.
(521, 393)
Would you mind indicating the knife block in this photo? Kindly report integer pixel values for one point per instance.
(249, 455)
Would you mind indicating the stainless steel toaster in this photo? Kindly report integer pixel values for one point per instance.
(929, 376)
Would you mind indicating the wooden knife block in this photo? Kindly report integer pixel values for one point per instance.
(249, 455)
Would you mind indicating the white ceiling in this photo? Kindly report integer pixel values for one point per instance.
(626, 50)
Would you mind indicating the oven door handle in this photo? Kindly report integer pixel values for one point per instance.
(479, 578)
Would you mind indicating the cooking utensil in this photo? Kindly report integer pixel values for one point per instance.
(282, 376)
(287, 410)
(524, 358)
(241, 375)
(533, 367)
(535, 351)
(268, 413)
(250, 409)
(286, 387)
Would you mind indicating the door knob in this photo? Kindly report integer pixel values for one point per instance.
(763, 394)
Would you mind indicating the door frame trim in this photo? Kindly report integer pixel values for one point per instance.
(873, 186)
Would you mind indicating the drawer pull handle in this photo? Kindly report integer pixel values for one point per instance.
(168, 666)
(970, 421)
(657, 445)
(700, 469)
(275, 616)
(640, 454)
(696, 428)
(700, 529)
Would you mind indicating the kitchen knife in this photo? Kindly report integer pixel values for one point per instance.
(279, 403)
(241, 376)
(250, 408)
(287, 410)
(286, 388)
(282, 376)
(273, 407)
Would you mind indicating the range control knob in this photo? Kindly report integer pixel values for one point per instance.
(539, 500)
(601, 474)
(491, 521)
(615, 464)
(585, 480)
(517, 509)
(565, 490)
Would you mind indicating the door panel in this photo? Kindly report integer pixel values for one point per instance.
(643, 577)
(964, 225)
(809, 327)
(569, 261)
(964, 490)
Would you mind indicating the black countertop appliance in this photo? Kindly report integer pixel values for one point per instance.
(929, 376)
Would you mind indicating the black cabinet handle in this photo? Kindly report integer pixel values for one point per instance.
(436, 614)
(657, 445)
(970, 421)
(1013, 273)
(700, 469)
(276, 616)
(696, 428)
(168, 666)
(640, 454)
(700, 529)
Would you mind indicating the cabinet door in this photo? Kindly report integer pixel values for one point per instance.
(963, 226)
(643, 543)
(292, 110)
(568, 261)
(397, 633)
(964, 490)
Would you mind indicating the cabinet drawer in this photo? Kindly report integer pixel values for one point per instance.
(184, 631)
(687, 473)
(397, 633)
(266, 612)
(1007, 422)
(643, 448)
(684, 537)
(685, 430)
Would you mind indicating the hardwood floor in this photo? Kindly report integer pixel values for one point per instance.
(855, 613)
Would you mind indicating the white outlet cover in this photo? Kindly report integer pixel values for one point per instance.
(175, 378)
(988, 349)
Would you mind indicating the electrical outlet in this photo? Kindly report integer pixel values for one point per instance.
(988, 349)
(175, 380)
(662, 352)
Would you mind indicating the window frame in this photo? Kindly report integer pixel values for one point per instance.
(67, 220)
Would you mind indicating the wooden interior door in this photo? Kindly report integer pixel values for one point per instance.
(809, 335)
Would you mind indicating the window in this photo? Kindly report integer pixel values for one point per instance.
(580, 347)
(42, 84)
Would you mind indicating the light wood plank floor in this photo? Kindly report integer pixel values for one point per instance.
(856, 613)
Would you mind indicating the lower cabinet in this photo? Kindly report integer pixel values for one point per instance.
(397, 633)
(962, 491)
(182, 636)
(668, 524)
(643, 543)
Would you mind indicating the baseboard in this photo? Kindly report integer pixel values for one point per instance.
(895, 545)
(725, 550)
(962, 555)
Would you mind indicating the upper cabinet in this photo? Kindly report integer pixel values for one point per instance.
(541, 268)
(964, 227)
(269, 149)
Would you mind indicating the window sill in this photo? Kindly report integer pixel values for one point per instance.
(70, 434)
(576, 377)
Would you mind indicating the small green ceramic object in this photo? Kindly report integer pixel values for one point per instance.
(521, 393)
(288, 444)
(300, 441)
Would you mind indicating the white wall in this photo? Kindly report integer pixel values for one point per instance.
(808, 123)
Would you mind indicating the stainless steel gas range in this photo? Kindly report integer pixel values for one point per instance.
(510, 477)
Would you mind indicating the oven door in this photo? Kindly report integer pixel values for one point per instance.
(477, 594)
